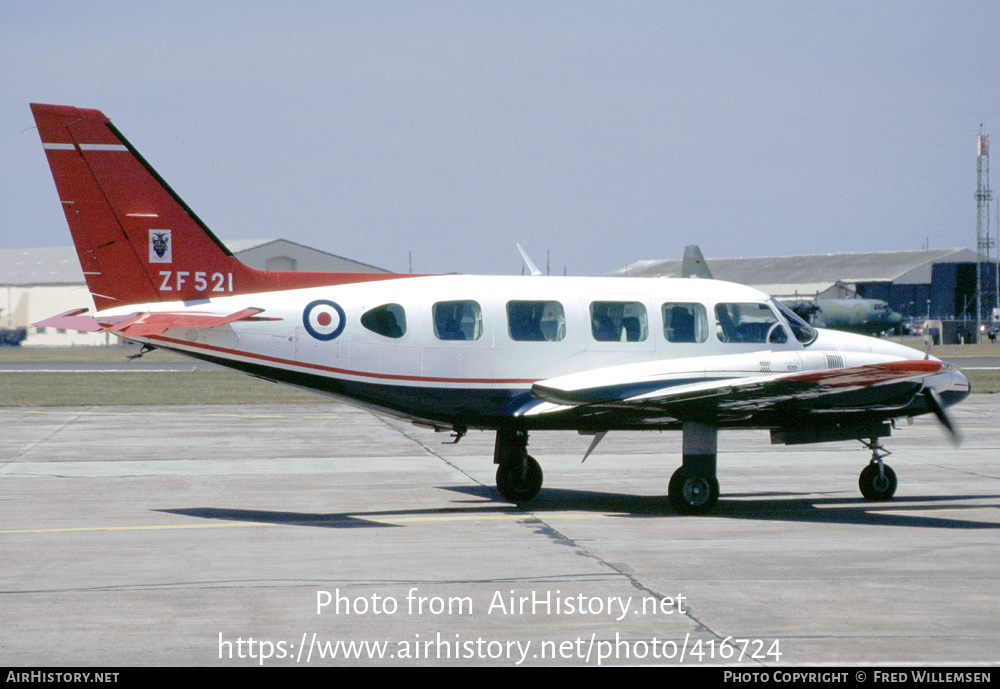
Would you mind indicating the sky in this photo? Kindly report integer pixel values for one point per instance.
(439, 134)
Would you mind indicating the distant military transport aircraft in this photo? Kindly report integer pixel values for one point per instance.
(855, 314)
(508, 354)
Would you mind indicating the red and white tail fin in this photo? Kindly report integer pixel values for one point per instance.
(138, 242)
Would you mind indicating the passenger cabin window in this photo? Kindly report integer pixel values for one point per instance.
(388, 320)
(618, 321)
(685, 322)
(458, 320)
(753, 323)
(536, 321)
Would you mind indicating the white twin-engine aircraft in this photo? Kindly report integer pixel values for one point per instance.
(504, 354)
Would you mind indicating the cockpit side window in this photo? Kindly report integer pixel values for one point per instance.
(536, 321)
(684, 322)
(748, 323)
(803, 332)
(618, 321)
(457, 320)
(388, 320)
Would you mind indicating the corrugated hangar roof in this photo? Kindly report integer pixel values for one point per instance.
(256, 253)
(883, 266)
(56, 265)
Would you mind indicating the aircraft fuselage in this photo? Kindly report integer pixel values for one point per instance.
(464, 351)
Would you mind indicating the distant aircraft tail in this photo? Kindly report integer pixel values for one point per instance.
(138, 242)
(694, 265)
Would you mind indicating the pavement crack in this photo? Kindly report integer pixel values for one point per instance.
(546, 529)
(24, 450)
(427, 448)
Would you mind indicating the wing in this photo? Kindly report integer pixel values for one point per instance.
(647, 394)
(146, 323)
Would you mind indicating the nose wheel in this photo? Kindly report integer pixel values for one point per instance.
(877, 481)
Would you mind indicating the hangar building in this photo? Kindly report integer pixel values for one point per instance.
(38, 283)
(935, 283)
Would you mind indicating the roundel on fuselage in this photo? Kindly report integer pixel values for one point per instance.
(324, 319)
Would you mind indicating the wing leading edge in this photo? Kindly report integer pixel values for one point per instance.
(643, 392)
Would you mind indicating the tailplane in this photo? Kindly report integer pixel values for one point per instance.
(138, 242)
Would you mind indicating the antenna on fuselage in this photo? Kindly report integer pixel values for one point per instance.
(528, 262)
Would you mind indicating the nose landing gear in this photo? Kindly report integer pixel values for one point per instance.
(877, 481)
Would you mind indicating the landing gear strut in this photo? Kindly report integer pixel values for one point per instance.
(693, 488)
(519, 475)
(877, 481)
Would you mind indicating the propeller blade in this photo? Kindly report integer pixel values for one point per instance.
(934, 402)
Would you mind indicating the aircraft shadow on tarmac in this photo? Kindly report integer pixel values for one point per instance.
(326, 521)
(770, 506)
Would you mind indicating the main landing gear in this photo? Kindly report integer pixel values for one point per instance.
(877, 481)
(694, 488)
(519, 475)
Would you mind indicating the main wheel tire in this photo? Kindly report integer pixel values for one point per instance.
(519, 482)
(876, 486)
(692, 494)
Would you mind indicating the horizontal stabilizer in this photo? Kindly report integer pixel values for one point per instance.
(71, 320)
(147, 323)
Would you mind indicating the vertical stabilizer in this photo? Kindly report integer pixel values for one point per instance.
(138, 242)
(694, 265)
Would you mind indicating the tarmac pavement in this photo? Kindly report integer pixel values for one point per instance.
(321, 534)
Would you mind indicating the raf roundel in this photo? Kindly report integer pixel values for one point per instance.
(324, 319)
